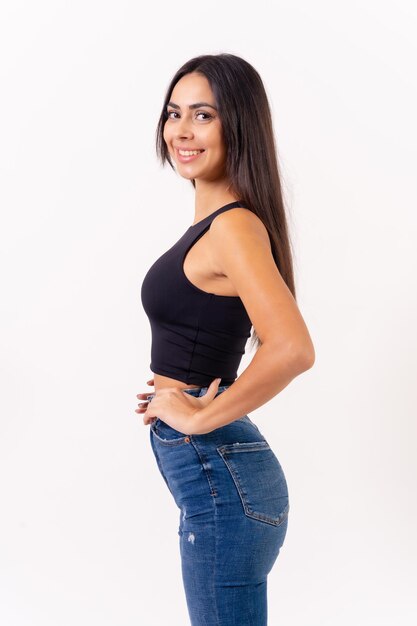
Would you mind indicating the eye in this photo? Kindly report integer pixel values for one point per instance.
(207, 115)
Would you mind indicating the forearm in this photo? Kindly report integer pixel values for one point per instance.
(270, 371)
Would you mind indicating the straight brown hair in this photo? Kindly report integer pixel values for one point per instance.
(251, 163)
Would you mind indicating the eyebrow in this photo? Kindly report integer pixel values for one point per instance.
(192, 106)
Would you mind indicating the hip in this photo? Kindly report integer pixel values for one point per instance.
(235, 464)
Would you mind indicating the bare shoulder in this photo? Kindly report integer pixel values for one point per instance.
(236, 223)
(241, 250)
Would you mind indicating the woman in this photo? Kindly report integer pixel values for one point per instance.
(230, 272)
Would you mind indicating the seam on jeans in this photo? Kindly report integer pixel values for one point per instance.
(178, 441)
(216, 546)
(215, 559)
(205, 470)
(158, 461)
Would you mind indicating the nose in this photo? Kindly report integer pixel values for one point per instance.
(183, 129)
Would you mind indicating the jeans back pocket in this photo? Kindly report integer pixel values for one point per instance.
(259, 480)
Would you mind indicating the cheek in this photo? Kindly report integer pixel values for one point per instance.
(214, 143)
(219, 152)
(219, 147)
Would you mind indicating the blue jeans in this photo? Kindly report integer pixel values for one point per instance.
(233, 500)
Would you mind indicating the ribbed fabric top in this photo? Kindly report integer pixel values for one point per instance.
(196, 335)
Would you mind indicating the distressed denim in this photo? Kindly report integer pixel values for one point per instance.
(233, 499)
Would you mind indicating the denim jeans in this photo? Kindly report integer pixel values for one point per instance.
(233, 499)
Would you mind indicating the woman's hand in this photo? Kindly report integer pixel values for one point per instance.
(144, 396)
(177, 408)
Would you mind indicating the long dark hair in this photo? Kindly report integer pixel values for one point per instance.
(251, 161)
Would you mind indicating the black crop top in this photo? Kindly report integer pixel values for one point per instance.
(197, 336)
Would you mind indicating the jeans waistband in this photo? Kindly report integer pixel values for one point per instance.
(195, 391)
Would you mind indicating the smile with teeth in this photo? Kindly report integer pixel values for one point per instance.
(189, 152)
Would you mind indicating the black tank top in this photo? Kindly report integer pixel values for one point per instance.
(197, 336)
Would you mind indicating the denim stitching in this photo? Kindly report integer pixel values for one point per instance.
(213, 491)
(250, 447)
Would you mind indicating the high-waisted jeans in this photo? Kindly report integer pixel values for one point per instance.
(233, 499)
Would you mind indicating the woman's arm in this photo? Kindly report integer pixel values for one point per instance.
(270, 370)
(240, 244)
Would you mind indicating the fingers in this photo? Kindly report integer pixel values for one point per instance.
(144, 396)
(214, 385)
(142, 405)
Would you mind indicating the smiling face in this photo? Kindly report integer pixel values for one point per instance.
(196, 128)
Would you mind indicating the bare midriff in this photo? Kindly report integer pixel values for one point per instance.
(164, 381)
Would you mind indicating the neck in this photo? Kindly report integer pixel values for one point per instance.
(210, 196)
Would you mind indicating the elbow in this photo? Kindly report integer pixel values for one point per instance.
(308, 359)
(302, 357)
(297, 357)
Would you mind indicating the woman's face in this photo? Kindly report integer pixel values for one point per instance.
(195, 128)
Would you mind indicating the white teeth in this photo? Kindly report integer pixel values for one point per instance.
(189, 152)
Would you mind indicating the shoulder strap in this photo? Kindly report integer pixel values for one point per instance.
(195, 231)
(209, 218)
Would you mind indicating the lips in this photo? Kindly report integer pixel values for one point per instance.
(187, 149)
(191, 157)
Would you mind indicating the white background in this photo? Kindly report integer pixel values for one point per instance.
(88, 530)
